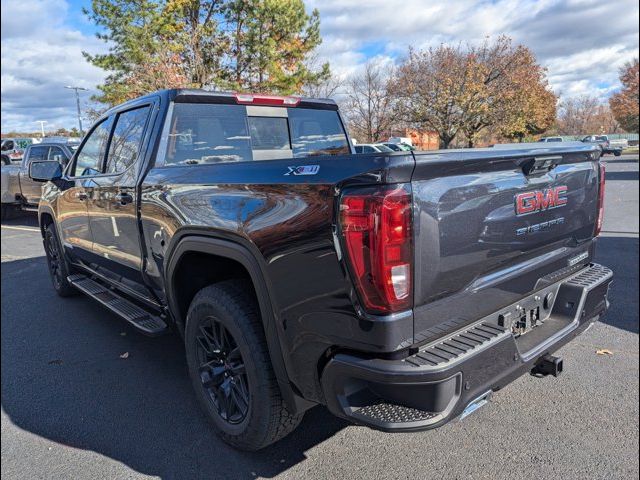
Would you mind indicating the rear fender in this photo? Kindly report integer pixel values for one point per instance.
(238, 251)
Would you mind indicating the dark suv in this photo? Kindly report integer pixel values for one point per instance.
(399, 289)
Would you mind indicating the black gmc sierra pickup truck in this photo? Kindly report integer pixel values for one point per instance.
(398, 289)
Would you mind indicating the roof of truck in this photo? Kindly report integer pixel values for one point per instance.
(233, 98)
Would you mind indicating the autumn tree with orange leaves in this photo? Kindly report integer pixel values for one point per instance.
(462, 91)
(624, 104)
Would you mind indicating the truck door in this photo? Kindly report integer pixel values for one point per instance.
(86, 167)
(113, 204)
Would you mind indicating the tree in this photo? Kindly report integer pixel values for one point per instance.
(432, 87)
(326, 87)
(585, 115)
(136, 31)
(624, 104)
(453, 90)
(514, 94)
(259, 45)
(270, 41)
(368, 106)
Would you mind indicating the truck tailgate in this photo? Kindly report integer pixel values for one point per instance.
(491, 224)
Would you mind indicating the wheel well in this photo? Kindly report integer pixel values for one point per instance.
(197, 270)
(45, 220)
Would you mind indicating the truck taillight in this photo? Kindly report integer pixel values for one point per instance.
(600, 217)
(376, 227)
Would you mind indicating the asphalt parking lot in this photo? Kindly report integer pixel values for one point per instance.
(73, 408)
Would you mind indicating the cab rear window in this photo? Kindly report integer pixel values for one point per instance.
(209, 133)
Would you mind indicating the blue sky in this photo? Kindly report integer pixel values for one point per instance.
(581, 42)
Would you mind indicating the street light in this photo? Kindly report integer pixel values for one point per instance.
(78, 104)
(42, 122)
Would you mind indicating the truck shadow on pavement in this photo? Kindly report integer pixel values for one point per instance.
(620, 254)
(622, 176)
(63, 379)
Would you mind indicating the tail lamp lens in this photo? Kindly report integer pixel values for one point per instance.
(600, 218)
(376, 227)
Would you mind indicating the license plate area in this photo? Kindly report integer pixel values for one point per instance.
(527, 320)
(529, 313)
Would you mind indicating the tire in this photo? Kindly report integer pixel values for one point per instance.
(617, 154)
(6, 211)
(59, 269)
(230, 369)
(6, 160)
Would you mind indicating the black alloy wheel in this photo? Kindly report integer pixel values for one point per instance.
(58, 267)
(222, 371)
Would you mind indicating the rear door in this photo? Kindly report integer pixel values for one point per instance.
(113, 203)
(73, 215)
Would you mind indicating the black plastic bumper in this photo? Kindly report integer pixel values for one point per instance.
(437, 384)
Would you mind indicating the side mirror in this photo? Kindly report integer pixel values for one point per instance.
(45, 171)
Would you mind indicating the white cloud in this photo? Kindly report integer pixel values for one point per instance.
(40, 55)
(582, 42)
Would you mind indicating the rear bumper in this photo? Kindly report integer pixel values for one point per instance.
(436, 384)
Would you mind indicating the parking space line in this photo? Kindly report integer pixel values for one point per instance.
(26, 229)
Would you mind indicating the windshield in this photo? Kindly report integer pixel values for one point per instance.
(383, 148)
(213, 133)
(393, 146)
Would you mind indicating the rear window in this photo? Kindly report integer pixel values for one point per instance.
(209, 133)
(601, 139)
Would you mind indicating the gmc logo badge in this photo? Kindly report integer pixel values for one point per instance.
(539, 200)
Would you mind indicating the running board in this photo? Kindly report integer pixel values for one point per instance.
(140, 319)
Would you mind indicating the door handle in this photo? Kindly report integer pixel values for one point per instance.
(82, 196)
(123, 198)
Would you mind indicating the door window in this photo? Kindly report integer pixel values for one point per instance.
(126, 139)
(56, 153)
(38, 153)
(89, 158)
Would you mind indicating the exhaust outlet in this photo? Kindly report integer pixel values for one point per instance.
(547, 365)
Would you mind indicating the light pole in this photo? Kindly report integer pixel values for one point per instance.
(42, 122)
(78, 104)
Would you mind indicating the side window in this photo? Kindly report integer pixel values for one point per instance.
(89, 158)
(38, 153)
(56, 153)
(126, 139)
(317, 132)
(201, 133)
(369, 149)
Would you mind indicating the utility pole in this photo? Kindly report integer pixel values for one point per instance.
(78, 104)
(42, 122)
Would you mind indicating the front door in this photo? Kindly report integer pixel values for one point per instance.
(73, 214)
(113, 205)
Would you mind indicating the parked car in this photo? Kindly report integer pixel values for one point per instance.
(19, 192)
(405, 140)
(372, 148)
(13, 149)
(621, 143)
(389, 288)
(551, 139)
(603, 143)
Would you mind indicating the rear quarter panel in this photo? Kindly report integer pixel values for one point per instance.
(289, 220)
